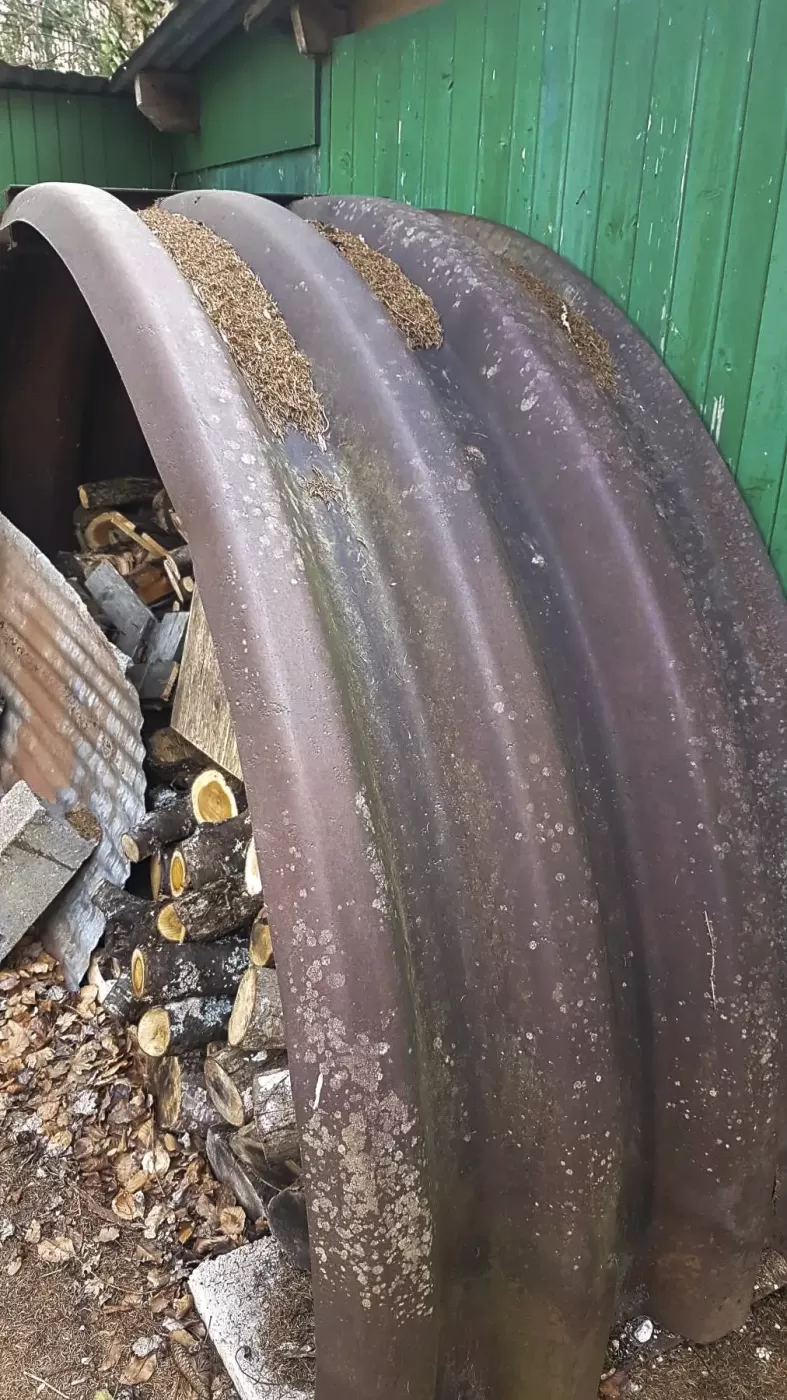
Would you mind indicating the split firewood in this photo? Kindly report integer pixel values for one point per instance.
(248, 1189)
(207, 914)
(151, 581)
(229, 1079)
(162, 827)
(183, 1025)
(182, 1102)
(164, 972)
(201, 712)
(131, 621)
(274, 1116)
(40, 851)
(289, 1226)
(251, 869)
(257, 1020)
(120, 491)
(215, 850)
(155, 681)
(260, 942)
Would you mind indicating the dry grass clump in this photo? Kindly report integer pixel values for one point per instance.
(592, 349)
(411, 310)
(287, 1340)
(248, 321)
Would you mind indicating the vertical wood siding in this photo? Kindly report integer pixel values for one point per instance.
(643, 139)
(64, 136)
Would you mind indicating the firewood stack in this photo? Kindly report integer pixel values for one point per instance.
(187, 953)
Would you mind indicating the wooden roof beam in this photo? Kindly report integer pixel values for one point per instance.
(170, 101)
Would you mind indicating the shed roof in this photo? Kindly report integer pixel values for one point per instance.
(47, 80)
(183, 37)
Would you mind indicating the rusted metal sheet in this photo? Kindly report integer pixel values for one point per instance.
(517, 830)
(70, 728)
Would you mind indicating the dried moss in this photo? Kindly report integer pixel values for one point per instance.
(288, 1329)
(248, 321)
(591, 347)
(411, 310)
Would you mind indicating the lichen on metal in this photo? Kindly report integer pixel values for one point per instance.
(70, 728)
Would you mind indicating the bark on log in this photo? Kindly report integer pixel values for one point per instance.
(229, 1082)
(165, 515)
(247, 1188)
(249, 1150)
(165, 972)
(215, 850)
(40, 851)
(118, 1002)
(289, 1226)
(124, 912)
(159, 881)
(182, 1102)
(119, 491)
(274, 1116)
(257, 1020)
(206, 914)
(163, 827)
(172, 758)
(183, 1025)
(260, 942)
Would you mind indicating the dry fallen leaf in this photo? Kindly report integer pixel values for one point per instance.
(233, 1220)
(127, 1206)
(184, 1339)
(14, 1266)
(33, 1232)
(107, 1233)
(138, 1370)
(56, 1251)
(156, 1162)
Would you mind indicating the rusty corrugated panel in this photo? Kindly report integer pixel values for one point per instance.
(70, 729)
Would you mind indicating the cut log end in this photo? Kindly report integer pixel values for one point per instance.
(178, 878)
(252, 876)
(212, 797)
(243, 1007)
(130, 848)
(224, 1094)
(169, 925)
(138, 972)
(154, 1032)
(261, 943)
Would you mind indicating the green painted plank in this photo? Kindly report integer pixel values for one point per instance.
(289, 174)
(596, 34)
(438, 105)
(751, 232)
(718, 124)
(91, 122)
(517, 210)
(342, 109)
(497, 106)
(7, 167)
(324, 130)
(367, 61)
(70, 126)
(23, 136)
(126, 144)
(412, 90)
(778, 549)
(466, 109)
(387, 126)
(257, 97)
(47, 136)
(668, 149)
(560, 48)
(629, 106)
(764, 441)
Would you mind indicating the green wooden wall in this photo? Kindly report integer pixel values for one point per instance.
(65, 136)
(258, 118)
(643, 139)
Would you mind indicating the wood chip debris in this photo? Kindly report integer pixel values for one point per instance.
(588, 344)
(410, 308)
(248, 321)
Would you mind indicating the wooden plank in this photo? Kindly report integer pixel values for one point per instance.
(91, 122)
(23, 137)
(364, 117)
(557, 79)
(628, 121)
(169, 101)
(754, 209)
(412, 93)
(132, 622)
(466, 109)
(343, 116)
(497, 105)
(710, 182)
(524, 120)
(47, 136)
(72, 164)
(668, 147)
(365, 13)
(39, 854)
(7, 168)
(387, 123)
(201, 713)
(438, 106)
(596, 34)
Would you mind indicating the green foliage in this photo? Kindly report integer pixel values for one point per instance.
(86, 36)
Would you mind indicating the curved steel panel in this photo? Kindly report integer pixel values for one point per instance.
(488, 692)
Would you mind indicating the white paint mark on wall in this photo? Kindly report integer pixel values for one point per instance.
(717, 418)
